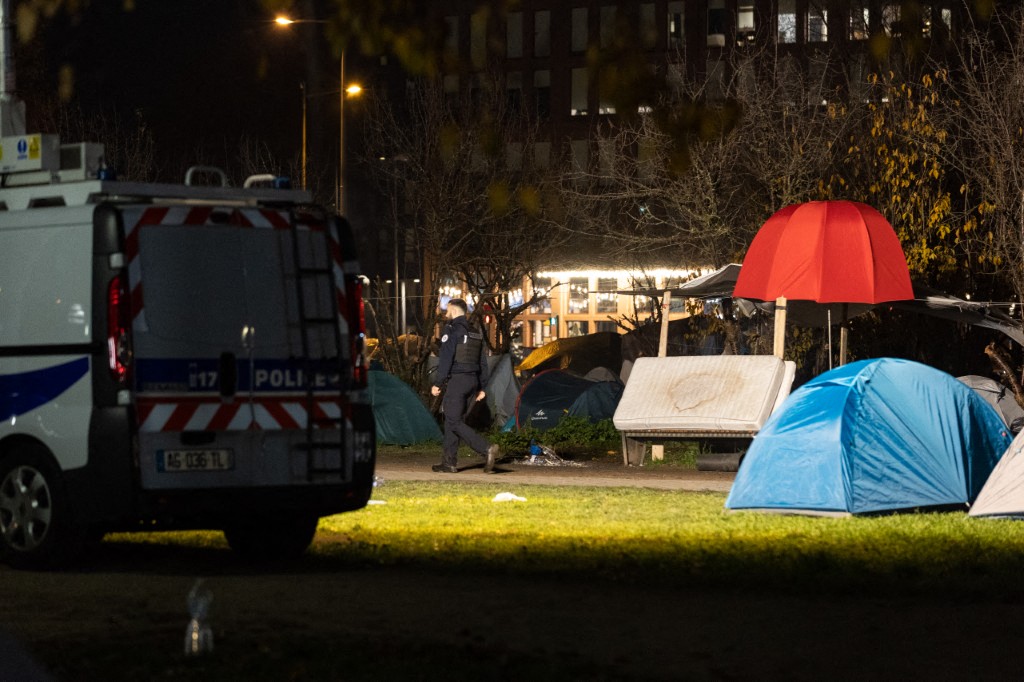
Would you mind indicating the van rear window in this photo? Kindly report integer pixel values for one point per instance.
(208, 284)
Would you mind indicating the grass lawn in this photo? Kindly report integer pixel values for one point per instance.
(635, 534)
(652, 536)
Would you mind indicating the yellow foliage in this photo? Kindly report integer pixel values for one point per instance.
(529, 199)
(499, 198)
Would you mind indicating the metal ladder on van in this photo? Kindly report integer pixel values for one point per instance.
(314, 278)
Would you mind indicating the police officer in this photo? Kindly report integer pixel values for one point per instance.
(462, 371)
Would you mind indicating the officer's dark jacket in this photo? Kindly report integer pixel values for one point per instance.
(463, 351)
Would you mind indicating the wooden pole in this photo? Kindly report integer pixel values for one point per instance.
(780, 327)
(666, 306)
(657, 449)
(844, 336)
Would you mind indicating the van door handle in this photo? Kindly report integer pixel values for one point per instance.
(228, 374)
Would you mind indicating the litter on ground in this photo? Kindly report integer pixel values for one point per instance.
(542, 455)
(508, 497)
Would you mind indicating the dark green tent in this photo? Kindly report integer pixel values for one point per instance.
(401, 418)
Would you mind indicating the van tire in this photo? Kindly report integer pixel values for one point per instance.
(36, 529)
(281, 536)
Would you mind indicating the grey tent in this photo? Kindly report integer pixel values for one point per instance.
(996, 395)
(401, 417)
(502, 388)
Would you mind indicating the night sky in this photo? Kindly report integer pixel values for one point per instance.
(202, 74)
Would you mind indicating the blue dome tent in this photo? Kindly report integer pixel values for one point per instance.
(872, 436)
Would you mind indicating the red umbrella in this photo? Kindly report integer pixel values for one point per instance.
(828, 252)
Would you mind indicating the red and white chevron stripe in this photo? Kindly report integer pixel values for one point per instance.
(211, 414)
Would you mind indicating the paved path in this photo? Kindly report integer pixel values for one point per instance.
(416, 467)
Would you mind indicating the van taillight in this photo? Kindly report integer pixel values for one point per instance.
(119, 341)
(356, 315)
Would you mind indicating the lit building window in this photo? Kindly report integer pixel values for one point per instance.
(515, 298)
(745, 22)
(860, 20)
(675, 25)
(577, 328)
(542, 286)
(787, 21)
(716, 23)
(935, 18)
(891, 19)
(817, 22)
(579, 296)
(607, 299)
(678, 303)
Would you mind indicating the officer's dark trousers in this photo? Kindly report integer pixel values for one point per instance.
(456, 404)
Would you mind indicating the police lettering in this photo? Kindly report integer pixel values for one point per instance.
(289, 378)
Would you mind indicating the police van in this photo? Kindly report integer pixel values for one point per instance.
(173, 356)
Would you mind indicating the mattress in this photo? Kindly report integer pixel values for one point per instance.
(703, 393)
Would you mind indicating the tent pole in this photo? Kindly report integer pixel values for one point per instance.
(657, 449)
(780, 327)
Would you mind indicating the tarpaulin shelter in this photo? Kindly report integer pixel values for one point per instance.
(872, 436)
(926, 300)
(1003, 492)
(401, 417)
(554, 394)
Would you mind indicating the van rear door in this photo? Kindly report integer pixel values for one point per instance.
(239, 348)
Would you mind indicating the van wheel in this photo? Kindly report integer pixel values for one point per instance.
(269, 538)
(35, 528)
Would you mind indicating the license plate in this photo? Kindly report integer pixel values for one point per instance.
(172, 461)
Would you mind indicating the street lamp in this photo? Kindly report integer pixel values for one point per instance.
(352, 90)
